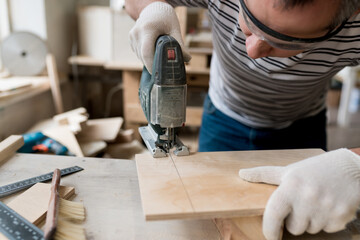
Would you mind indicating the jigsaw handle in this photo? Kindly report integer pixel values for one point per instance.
(163, 94)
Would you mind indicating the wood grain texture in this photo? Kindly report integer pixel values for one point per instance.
(210, 182)
(172, 191)
(9, 146)
(33, 203)
(120, 216)
(109, 190)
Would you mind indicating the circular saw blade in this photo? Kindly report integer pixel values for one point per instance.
(23, 54)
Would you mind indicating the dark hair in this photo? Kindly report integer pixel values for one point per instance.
(346, 8)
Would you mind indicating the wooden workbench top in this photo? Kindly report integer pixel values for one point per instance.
(110, 192)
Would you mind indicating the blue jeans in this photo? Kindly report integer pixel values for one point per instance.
(220, 132)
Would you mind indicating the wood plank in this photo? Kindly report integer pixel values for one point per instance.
(9, 146)
(33, 203)
(63, 135)
(62, 118)
(85, 61)
(165, 181)
(181, 13)
(212, 183)
(54, 83)
(105, 129)
(91, 149)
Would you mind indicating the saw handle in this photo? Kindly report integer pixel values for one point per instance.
(53, 208)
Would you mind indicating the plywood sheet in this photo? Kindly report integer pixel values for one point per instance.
(207, 185)
(164, 186)
(33, 203)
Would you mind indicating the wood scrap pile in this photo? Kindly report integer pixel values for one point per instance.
(82, 136)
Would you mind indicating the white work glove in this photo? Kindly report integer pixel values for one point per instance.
(156, 19)
(318, 193)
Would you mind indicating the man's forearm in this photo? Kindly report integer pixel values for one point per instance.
(134, 7)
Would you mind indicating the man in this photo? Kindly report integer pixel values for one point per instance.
(271, 65)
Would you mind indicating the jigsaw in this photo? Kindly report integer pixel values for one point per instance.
(163, 99)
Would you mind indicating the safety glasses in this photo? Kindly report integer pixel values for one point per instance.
(278, 40)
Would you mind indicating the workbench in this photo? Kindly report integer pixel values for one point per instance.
(110, 192)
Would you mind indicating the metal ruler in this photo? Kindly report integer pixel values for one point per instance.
(18, 186)
(14, 226)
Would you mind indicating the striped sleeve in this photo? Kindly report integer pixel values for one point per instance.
(189, 3)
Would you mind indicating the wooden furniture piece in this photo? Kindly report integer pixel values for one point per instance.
(110, 192)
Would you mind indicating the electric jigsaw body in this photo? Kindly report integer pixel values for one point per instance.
(163, 99)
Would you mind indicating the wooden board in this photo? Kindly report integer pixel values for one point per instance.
(207, 185)
(33, 203)
(9, 146)
(63, 135)
(62, 119)
(106, 129)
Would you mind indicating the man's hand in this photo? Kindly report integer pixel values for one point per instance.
(318, 193)
(156, 19)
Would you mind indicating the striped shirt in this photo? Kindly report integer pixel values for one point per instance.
(271, 92)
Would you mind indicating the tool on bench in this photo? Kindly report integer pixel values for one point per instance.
(38, 142)
(63, 216)
(163, 99)
(18, 186)
(14, 226)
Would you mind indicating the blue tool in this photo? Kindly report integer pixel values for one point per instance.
(38, 142)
